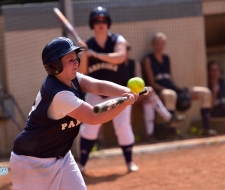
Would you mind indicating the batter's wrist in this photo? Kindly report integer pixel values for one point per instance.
(127, 90)
(97, 55)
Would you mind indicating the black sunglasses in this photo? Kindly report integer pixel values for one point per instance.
(100, 21)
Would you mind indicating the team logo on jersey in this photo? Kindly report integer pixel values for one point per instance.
(219, 101)
(99, 66)
(3, 171)
(161, 76)
(70, 124)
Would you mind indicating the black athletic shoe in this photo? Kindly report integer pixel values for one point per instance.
(209, 133)
(176, 120)
(152, 139)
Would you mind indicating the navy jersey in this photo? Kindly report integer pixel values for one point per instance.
(43, 137)
(131, 68)
(219, 105)
(162, 73)
(106, 71)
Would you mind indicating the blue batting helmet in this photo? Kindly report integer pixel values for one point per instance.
(54, 51)
(99, 12)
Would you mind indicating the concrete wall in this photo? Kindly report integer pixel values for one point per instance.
(215, 29)
(210, 7)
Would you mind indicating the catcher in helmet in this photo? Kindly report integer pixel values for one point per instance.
(157, 73)
(42, 150)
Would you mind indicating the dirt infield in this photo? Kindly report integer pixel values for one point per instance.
(201, 168)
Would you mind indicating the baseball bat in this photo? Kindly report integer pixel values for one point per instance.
(110, 104)
(63, 20)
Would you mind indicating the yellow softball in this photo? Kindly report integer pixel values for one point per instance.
(136, 84)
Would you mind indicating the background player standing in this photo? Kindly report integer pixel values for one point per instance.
(104, 60)
(41, 156)
(157, 73)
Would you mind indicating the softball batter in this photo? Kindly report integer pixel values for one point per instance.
(41, 156)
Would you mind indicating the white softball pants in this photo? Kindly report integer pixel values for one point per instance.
(197, 93)
(121, 123)
(45, 173)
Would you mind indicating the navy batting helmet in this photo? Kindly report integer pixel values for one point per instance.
(183, 100)
(54, 51)
(99, 12)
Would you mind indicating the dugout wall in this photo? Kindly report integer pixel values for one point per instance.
(27, 28)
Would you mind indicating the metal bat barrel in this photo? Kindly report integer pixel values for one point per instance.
(108, 105)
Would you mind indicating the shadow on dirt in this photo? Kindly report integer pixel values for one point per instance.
(7, 186)
(90, 180)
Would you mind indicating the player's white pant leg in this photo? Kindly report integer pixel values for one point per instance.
(34, 173)
(149, 118)
(203, 94)
(169, 99)
(122, 126)
(71, 177)
(159, 107)
(90, 132)
(44, 173)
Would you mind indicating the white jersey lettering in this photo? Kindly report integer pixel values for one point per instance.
(99, 66)
(71, 124)
(163, 76)
(37, 101)
(64, 125)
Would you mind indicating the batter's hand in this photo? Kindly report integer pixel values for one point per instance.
(91, 53)
(131, 98)
(83, 44)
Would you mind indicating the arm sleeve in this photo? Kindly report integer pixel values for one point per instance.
(120, 38)
(63, 103)
(79, 77)
(168, 59)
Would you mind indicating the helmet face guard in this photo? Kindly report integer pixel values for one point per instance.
(99, 12)
(54, 51)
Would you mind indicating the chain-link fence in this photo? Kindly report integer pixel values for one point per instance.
(195, 35)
